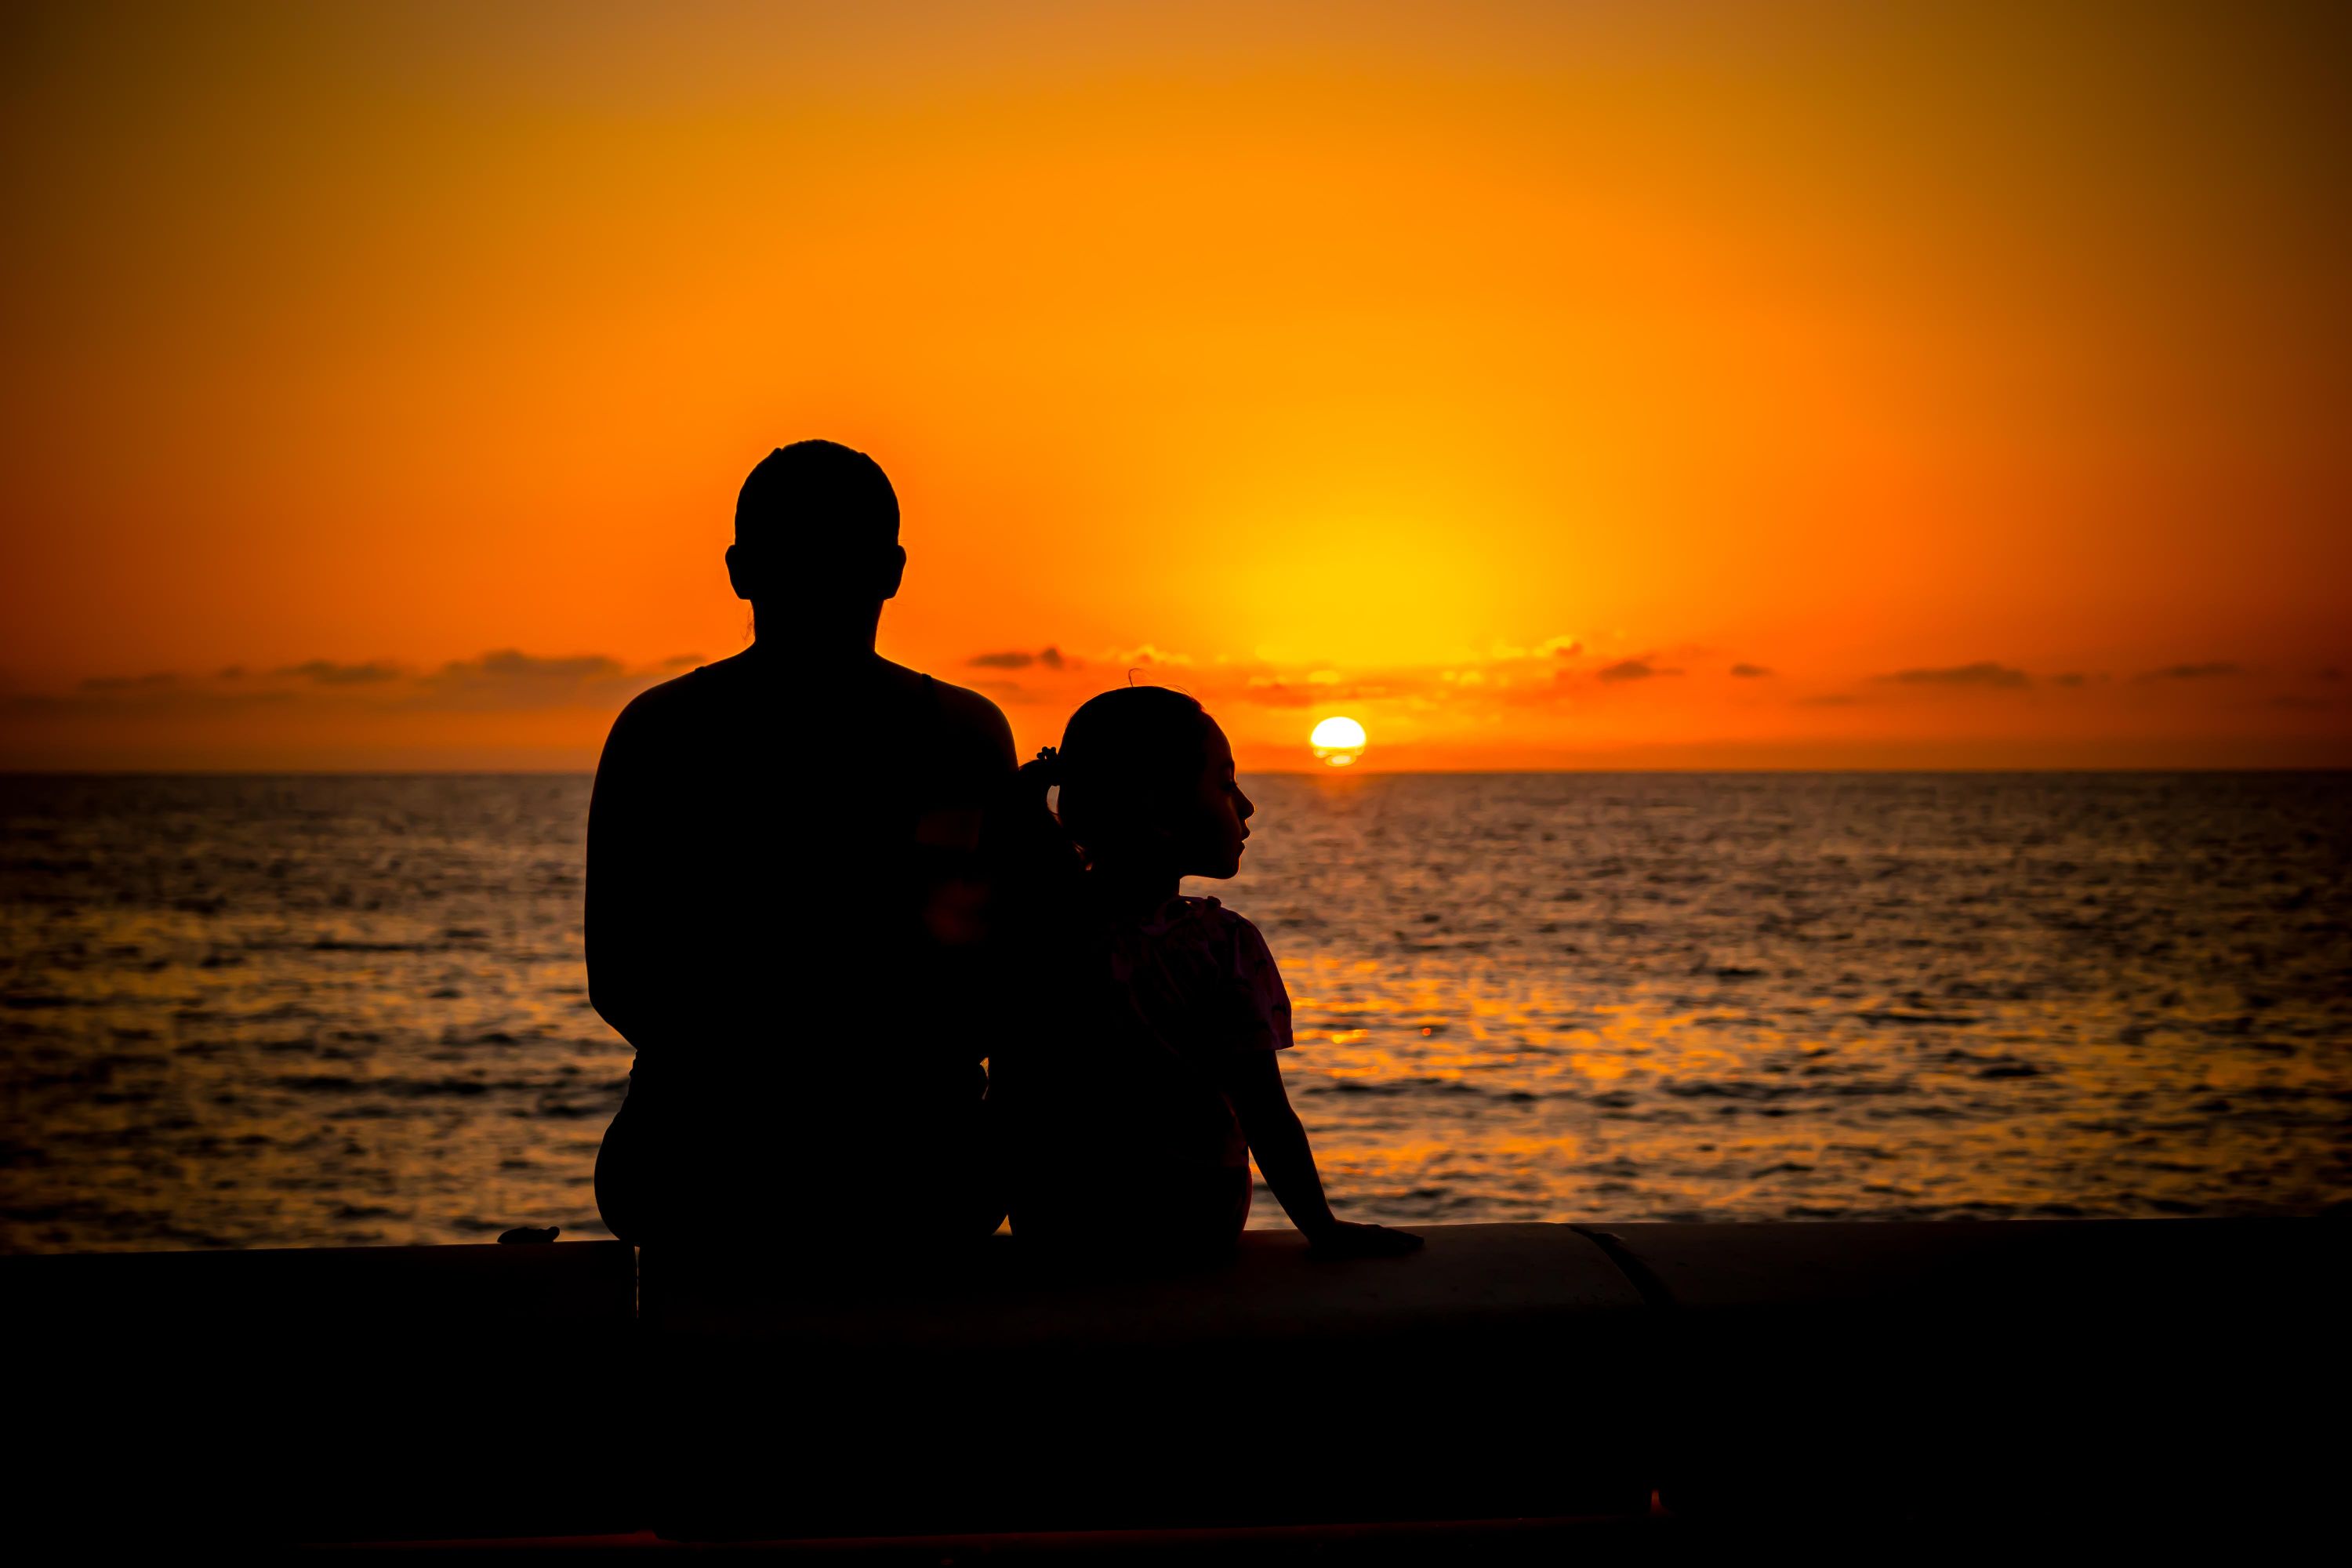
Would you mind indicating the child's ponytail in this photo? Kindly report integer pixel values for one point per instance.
(1040, 774)
(1037, 862)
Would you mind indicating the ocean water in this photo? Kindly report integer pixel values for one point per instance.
(247, 1011)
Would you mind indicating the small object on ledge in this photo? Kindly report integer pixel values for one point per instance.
(524, 1233)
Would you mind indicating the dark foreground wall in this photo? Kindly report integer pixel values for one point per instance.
(2148, 1376)
(343, 1391)
(2136, 1375)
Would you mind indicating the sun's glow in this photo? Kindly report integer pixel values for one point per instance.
(1337, 742)
(1507, 354)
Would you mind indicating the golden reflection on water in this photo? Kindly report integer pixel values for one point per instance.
(304, 1011)
(1577, 998)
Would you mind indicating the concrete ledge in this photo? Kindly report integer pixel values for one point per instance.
(1490, 1375)
(2157, 1372)
(1272, 1289)
(2134, 1377)
(2132, 1266)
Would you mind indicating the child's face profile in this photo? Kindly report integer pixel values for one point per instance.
(1219, 815)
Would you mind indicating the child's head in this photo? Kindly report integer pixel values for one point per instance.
(1148, 785)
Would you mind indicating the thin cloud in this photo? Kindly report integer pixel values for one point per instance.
(1634, 669)
(2218, 669)
(327, 673)
(505, 678)
(509, 664)
(1048, 658)
(1749, 671)
(147, 696)
(1564, 646)
(509, 678)
(1983, 673)
(1280, 694)
(1144, 654)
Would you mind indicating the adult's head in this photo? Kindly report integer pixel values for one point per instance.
(816, 540)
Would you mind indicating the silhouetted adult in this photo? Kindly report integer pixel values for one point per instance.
(781, 883)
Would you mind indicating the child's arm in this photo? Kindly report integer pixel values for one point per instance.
(1280, 1142)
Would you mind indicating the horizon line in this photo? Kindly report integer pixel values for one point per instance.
(1262, 772)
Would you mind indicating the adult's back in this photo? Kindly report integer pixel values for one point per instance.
(779, 894)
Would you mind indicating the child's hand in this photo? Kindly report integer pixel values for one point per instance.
(1341, 1239)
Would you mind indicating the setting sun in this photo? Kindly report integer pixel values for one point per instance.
(1338, 742)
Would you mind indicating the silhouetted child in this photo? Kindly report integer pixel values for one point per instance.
(1147, 1077)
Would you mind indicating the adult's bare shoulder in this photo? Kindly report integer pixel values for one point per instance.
(651, 717)
(977, 730)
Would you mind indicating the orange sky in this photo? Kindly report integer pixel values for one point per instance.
(1505, 377)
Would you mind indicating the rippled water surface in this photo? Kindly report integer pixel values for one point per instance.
(255, 1011)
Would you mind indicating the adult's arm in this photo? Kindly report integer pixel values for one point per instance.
(976, 754)
(623, 905)
(963, 1015)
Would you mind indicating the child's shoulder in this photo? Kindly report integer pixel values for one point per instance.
(1231, 948)
(1206, 914)
(1207, 924)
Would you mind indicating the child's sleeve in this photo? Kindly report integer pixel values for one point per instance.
(1259, 994)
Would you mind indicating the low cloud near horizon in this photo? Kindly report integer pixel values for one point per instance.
(326, 672)
(1544, 699)
(160, 677)
(1633, 670)
(501, 679)
(1983, 673)
(1049, 657)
